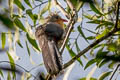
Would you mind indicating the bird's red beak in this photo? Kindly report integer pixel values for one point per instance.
(64, 20)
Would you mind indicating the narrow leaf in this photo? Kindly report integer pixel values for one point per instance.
(19, 4)
(90, 63)
(72, 54)
(8, 76)
(103, 62)
(77, 47)
(92, 6)
(18, 42)
(12, 64)
(1, 73)
(104, 75)
(81, 32)
(28, 3)
(27, 48)
(19, 24)
(3, 39)
(32, 42)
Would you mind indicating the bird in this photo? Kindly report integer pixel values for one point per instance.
(49, 35)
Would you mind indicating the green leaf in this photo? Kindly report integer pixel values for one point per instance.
(103, 62)
(12, 64)
(28, 3)
(90, 38)
(19, 24)
(101, 22)
(81, 32)
(102, 34)
(104, 75)
(19, 44)
(90, 63)
(92, 6)
(19, 4)
(32, 42)
(8, 76)
(77, 47)
(112, 47)
(72, 54)
(34, 17)
(3, 39)
(90, 78)
(27, 48)
(1, 73)
(29, 12)
(111, 65)
(6, 21)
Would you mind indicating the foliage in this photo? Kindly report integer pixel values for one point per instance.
(21, 17)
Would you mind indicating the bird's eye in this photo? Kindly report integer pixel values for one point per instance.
(57, 17)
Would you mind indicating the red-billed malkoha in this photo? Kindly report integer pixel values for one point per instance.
(48, 36)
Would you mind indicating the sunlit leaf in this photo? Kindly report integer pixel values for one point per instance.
(1, 73)
(28, 3)
(102, 34)
(112, 47)
(81, 32)
(92, 6)
(90, 38)
(72, 54)
(32, 42)
(9, 76)
(12, 64)
(111, 65)
(89, 63)
(19, 24)
(3, 39)
(19, 4)
(104, 75)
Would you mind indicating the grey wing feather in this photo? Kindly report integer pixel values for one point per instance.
(50, 53)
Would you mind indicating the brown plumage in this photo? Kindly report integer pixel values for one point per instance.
(48, 36)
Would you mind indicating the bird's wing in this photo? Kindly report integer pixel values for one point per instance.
(50, 52)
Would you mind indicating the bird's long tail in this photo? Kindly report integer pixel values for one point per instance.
(52, 58)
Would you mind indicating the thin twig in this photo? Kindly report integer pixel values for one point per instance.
(117, 14)
(114, 71)
(95, 42)
(70, 5)
(61, 9)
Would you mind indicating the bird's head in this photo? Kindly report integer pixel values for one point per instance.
(56, 18)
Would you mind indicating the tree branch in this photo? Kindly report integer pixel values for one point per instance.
(114, 71)
(95, 42)
(70, 25)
